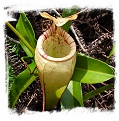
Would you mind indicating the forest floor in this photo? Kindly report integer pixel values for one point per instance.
(94, 29)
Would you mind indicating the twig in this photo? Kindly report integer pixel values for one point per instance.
(73, 31)
(13, 40)
(108, 93)
(99, 40)
(95, 89)
(29, 102)
(56, 12)
(99, 103)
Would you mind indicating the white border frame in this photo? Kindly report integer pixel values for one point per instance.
(74, 114)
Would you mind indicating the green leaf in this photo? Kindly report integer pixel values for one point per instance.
(97, 91)
(21, 38)
(112, 52)
(23, 80)
(25, 28)
(91, 71)
(68, 12)
(28, 52)
(72, 97)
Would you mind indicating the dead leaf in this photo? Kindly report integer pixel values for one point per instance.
(59, 21)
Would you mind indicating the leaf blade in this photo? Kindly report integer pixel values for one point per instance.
(77, 93)
(112, 52)
(97, 91)
(91, 71)
(72, 97)
(23, 80)
(25, 28)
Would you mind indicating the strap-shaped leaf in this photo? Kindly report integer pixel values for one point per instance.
(112, 52)
(91, 71)
(97, 91)
(23, 80)
(25, 28)
(72, 97)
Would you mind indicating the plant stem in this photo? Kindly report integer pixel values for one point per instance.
(20, 37)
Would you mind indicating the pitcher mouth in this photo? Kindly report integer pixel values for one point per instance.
(68, 42)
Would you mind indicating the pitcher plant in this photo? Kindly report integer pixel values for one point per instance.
(55, 56)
